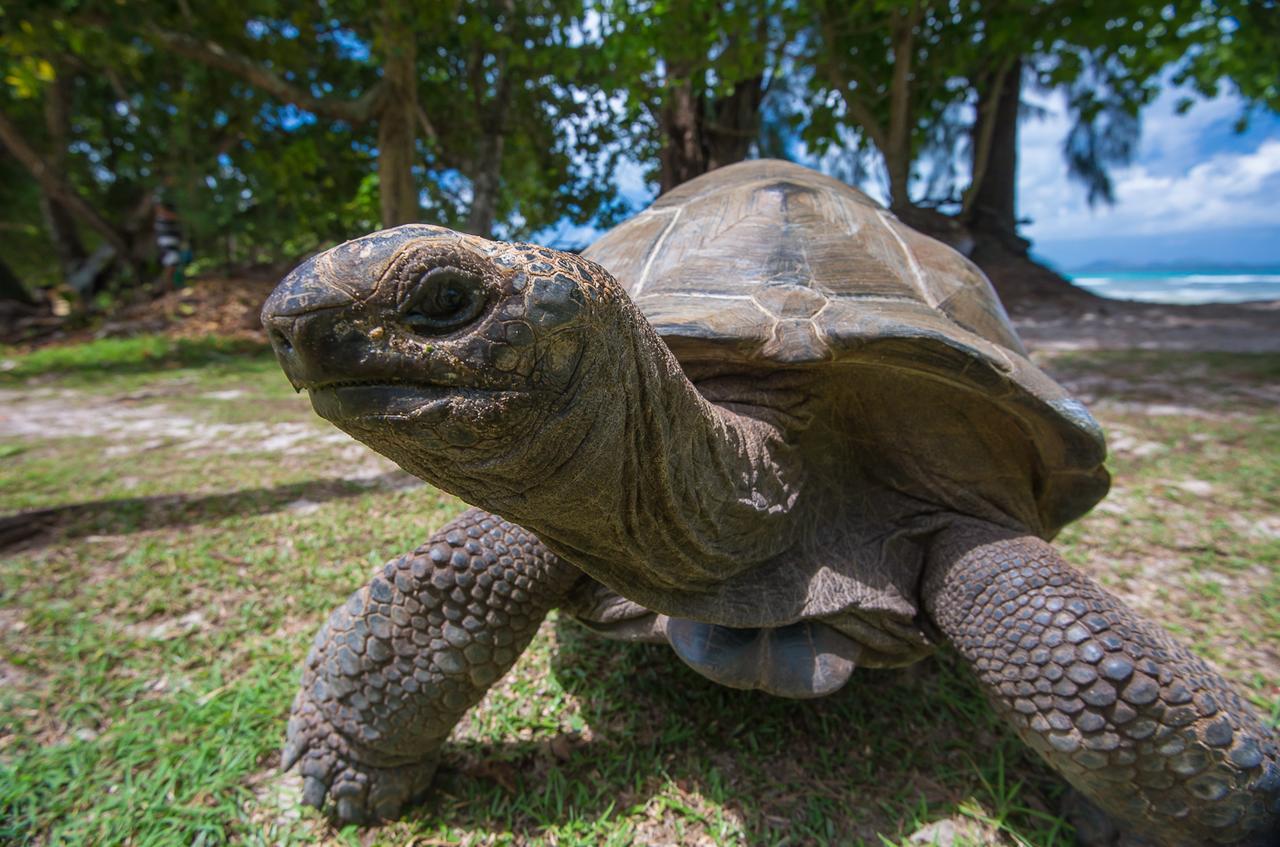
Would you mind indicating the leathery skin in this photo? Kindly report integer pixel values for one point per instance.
(402, 660)
(1134, 721)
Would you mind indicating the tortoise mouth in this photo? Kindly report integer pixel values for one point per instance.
(393, 399)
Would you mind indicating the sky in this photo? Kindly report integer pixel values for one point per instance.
(1196, 193)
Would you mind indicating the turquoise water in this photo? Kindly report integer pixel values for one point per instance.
(1193, 286)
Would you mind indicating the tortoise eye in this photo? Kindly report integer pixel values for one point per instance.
(444, 300)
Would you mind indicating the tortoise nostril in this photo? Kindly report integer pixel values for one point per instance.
(279, 340)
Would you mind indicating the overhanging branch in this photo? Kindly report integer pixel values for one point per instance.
(55, 186)
(214, 55)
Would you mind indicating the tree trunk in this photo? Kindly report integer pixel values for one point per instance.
(486, 177)
(681, 158)
(67, 245)
(484, 186)
(701, 135)
(991, 199)
(55, 185)
(737, 123)
(397, 118)
(897, 152)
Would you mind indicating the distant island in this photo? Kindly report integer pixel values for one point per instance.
(1178, 266)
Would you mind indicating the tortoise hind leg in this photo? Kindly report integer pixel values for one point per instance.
(1134, 721)
(403, 659)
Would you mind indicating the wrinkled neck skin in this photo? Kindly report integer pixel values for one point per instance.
(624, 469)
(662, 483)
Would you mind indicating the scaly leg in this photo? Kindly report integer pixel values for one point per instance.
(1131, 718)
(400, 662)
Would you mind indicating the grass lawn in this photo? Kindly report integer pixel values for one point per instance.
(194, 523)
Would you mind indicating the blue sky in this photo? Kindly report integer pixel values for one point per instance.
(1197, 191)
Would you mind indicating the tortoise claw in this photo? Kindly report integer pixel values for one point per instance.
(313, 792)
(335, 772)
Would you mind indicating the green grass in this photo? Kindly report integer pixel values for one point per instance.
(152, 625)
(144, 354)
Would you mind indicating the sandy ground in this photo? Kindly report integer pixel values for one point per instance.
(1100, 324)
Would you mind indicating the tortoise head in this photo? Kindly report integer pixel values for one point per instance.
(429, 345)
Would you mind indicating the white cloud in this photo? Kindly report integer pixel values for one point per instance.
(1191, 174)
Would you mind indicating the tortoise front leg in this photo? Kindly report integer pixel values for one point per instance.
(1131, 718)
(403, 659)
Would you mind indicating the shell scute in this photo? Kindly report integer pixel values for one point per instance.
(768, 264)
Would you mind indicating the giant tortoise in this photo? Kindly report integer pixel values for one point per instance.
(767, 424)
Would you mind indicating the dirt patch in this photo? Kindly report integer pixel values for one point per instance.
(1099, 324)
(211, 305)
(1122, 441)
(954, 832)
(277, 797)
(137, 427)
(1169, 383)
(168, 629)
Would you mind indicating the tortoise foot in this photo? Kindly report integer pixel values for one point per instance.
(1128, 716)
(401, 661)
(335, 770)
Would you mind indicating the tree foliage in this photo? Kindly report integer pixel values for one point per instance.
(693, 75)
(274, 126)
(920, 84)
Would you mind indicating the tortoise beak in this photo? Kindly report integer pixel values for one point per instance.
(301, 306)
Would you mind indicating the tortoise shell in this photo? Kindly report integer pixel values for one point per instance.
(767, 265)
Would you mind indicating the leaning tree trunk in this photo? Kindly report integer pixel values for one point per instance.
(392, 102)
(990, 203)
(67, 246)
(54, 184)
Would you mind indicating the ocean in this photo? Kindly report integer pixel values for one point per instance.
(1192, 286)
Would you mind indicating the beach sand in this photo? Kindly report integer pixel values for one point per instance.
(1099, 324)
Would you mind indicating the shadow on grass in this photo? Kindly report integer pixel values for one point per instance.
(124, 515)
(887, 754)
(135, 355)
